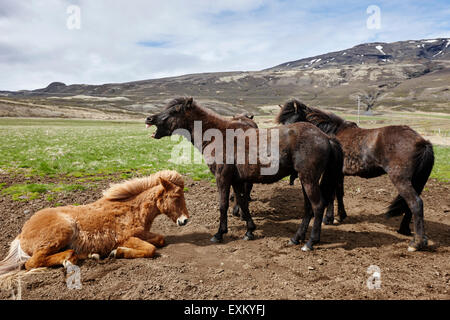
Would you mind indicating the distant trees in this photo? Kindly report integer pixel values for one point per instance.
(370, 97)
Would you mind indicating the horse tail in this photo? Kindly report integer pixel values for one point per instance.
(423, 163)
(15, 258)
(333, 175)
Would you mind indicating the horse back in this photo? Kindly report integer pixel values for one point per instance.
(372, 152)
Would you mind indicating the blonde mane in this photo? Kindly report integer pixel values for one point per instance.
(130, 188)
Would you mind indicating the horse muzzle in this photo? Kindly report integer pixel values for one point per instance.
(182, 221)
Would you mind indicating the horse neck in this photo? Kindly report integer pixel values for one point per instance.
(208, 121)
(334, 125)
(146, 212)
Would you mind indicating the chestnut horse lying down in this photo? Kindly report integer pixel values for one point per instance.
(116, 224)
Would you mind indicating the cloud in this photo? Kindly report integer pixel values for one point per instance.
(152, 39)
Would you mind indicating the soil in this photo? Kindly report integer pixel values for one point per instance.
(192, 267)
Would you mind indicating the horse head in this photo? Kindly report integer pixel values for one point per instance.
(171, 202)
(292, 111)
(173, 116)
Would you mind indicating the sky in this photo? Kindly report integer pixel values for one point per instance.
(112, 41)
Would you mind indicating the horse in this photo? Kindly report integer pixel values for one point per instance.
(118, 225)
(398, 151)
(298, 148)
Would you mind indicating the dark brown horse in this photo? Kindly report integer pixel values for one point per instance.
(398, 151)
(296, 148)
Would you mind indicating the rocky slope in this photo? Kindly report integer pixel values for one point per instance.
(406, 75)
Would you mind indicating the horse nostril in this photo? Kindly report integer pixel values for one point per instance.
(182, 222)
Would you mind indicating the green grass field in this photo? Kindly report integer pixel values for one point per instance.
(85, 148)
(89, 150)
(441, 169)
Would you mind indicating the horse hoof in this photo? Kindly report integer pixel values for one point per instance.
(336, 221)
(66, 264)
(113, 253)
(415, 246)
(404, 232)
(216, 239)
(236, 212)
(293, 242)
(328, 222)
(306, 248)
(249, 236)
(94, 256)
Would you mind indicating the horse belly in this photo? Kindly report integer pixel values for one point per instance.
(253, 174)
(98, 241)
(355, 166)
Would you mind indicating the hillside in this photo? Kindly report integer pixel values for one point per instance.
(406, 75)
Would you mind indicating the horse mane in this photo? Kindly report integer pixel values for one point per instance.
(184, 102)
(290, 108)
(326, 121)
(133, 187)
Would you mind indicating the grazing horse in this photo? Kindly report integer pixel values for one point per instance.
(300, 148)
(399, 151)
(116, 224)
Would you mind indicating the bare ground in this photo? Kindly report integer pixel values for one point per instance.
(191, 267)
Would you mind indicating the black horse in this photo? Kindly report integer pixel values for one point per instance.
(302, 148)
(398, 151)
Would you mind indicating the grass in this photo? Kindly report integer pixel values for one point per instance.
(84, 148)
(24, 192)
(441, 169)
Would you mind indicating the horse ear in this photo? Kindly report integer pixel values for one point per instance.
(281, 107)
(167, 185)
(188, 103)
(250, 116)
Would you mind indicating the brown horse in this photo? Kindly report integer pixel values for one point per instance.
(297, 148)
(116, 224)
(398, 151)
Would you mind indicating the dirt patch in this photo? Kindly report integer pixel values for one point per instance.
(191, 267)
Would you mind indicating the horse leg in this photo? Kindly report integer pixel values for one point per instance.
(248, 190)
(46, 258)
(342, 214)
(134, 248)
(224, 195)
(404, 225)
(300, 235)
(415, 204)
(292, 178)
(236, 208)
(242, 197)
(329, 216)
(317, 203)
(154, 238)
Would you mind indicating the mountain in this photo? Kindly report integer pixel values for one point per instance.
(406, 75)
